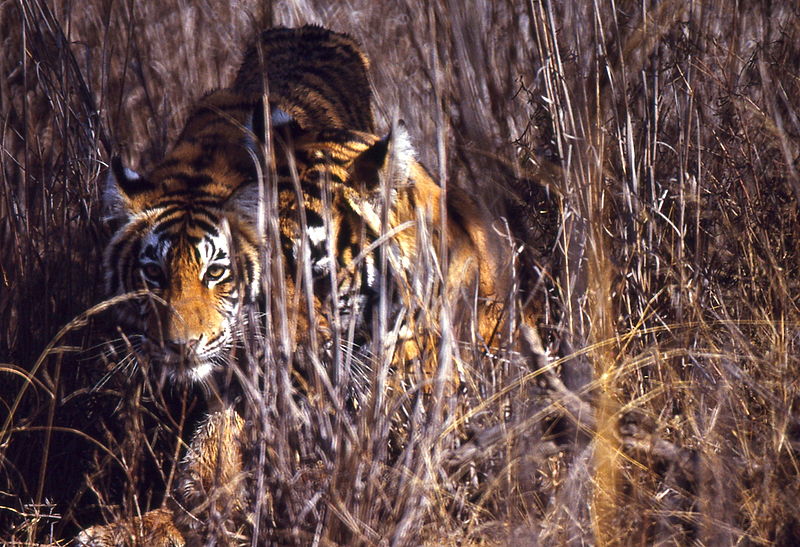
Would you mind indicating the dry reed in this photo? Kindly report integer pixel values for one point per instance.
(645, 154)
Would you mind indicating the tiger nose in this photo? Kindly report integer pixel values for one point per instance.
(178, 346)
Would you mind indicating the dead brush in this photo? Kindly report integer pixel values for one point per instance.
(648, 151)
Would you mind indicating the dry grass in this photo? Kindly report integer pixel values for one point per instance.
(648, 157)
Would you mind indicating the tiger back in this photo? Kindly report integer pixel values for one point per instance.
(316, 76)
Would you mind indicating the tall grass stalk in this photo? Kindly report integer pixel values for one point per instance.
(641, 154)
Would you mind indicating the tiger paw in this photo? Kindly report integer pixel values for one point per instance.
(155, 528)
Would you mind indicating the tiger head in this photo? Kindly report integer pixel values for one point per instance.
(190, 249)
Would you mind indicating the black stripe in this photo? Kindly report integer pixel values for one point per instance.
(199, 217)
(213, 245)
(129, 260)
(249, 267)
(205, 226)
(118, 254)
(283, 171)
(313, 218)
(166, 214)
(203, 160)
(342, 136)
(190, 200)
(318, 177)
(227, 279)
(150, 252)
(167, 224)
(288, 251)
(169, 162)
(345, 237)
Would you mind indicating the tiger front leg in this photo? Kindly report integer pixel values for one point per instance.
(208, 503)
(210, 498)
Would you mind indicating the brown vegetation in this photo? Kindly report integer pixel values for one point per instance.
(647, 158)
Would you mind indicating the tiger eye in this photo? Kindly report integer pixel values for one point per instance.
(215, 272)
(153, 271)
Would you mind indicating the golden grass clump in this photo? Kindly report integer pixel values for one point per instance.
(644, 157)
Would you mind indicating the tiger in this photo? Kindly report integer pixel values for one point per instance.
(353, 210)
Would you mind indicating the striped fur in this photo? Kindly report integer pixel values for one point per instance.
(194, 214)
(190, 227)
(317, 76)
(345, 174)
(183, 237)
(358, 217)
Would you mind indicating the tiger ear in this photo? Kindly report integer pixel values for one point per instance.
(389, 158)
(278, 118)
(122, 187)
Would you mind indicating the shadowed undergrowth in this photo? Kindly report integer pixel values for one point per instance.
(645, 159)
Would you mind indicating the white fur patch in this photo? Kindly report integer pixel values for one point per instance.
(201, 372)
(372, 271)
(317, 234)
(217, 243)
(115, 203)
(280, 117)
(130, 174)
(402, 153)
(206, 249)
(323, 264)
